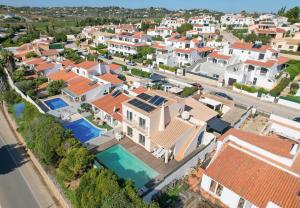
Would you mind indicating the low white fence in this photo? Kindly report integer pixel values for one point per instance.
(289, 103)
(181, 171)
(26, 97)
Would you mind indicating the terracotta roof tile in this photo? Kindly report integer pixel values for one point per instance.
(44, 66)
(112, 78)
(276, 145)
(114, 67)
(62, 75)
(253, 179)
(216, 55)
(266, 64)
(249, 46)
(80, 85)
(108, 103)
(87, 64)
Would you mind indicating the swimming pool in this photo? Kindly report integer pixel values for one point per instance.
(126, 165)
(83, 130)
(18, 109)
(56, 103)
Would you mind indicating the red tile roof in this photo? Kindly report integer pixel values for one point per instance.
(33, 61)
(44, 66)
(109, 103)
(87, 64)
(276, 145)
(49, 52)
(139, 90)
(112, 78)
(125, 43)
(253, 179)
(282, 60)
(205, 49)
(114, 67)
(186, 50)
(62, 75)
(216, 55)
(266, 64)
(67, 62)
(80, 85)
(249, 46)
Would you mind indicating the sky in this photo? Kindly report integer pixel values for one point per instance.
(219, 5)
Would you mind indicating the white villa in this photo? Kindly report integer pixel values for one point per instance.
(168, 126)
(250, 170)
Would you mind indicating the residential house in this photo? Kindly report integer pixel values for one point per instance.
(204, 19)
(101, 38)
(246, 63)
(237, 21)
(109, 108)
(45, 68)
(173, 22)
(250, 170)
(161, 31)
(127, 43)
(287, 43)
(157, 120)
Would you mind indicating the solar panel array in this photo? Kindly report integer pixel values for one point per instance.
(141, 105)
(157, 100)
(116, 93)
(144, 96)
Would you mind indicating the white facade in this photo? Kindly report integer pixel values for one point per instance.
(236, 20)
(161, 31)
(172, 22)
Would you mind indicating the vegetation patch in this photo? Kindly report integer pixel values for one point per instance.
(284, 82)
(292, 98)
(293, 69)
(140, 73)
(168, 68)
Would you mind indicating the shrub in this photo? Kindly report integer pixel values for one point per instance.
(294, 88)
(31, 54)
(284, 82)
(55, 87)
(26, 85)
(169, 68)
(188, 91)
(245, 87)
(295, 99)
(140, 73)
(293, 69)
(157, 38)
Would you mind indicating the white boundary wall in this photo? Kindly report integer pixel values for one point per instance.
(289, 103)
(182, 171)
(26, 97)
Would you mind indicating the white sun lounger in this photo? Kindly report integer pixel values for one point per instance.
(157, 151)
(161, 153)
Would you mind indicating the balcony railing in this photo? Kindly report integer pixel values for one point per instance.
(135, 124)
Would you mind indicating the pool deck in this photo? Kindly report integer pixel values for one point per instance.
(157, 164)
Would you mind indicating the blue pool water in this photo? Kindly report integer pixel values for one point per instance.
(83, 130)
(126, 165)
(56, 103)
(18, 109)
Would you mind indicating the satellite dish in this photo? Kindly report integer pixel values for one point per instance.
(185, 115)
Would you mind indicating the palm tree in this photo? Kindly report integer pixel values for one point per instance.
(7, 59)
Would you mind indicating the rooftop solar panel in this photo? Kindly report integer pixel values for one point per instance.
(144, 96)
(141, 105)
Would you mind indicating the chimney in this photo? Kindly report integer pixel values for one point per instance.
(161, 126)
(115, 109)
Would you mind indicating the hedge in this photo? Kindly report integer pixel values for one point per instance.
(169, 68)
(293, 69)
(295, 99)
(251, 89)
(284, 82)
(140, 73)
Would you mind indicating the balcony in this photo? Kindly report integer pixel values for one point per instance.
(135, 124)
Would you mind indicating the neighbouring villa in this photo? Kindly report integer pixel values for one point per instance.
(109, 108)
(168, 126)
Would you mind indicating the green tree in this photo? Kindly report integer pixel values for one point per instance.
(8, 61)
(76, 162)
(293, 14)
(55, 87)
(31, 54)
(184, 28)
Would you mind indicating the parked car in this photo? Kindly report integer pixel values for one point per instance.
(296, 119)
(106, 56)
(198, 85)
(221, 94)
(131, 63)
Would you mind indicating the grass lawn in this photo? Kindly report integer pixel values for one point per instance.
(293, 68)
(104, 126)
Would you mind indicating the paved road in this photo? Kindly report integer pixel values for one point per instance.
(20, 185)
(14, 191)
(229, 37)
(247, 100)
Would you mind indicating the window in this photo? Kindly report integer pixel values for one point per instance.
(279, 46)
(213, 185)
(142, 123)
(129, 131)
(230, 51)
(291, 47)
(219, 190)
(261, 56)
(263, 71)
(241, 203)
(142, 139)
(129, 116)
(251, 68)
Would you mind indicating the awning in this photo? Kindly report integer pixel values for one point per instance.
(218, 125)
